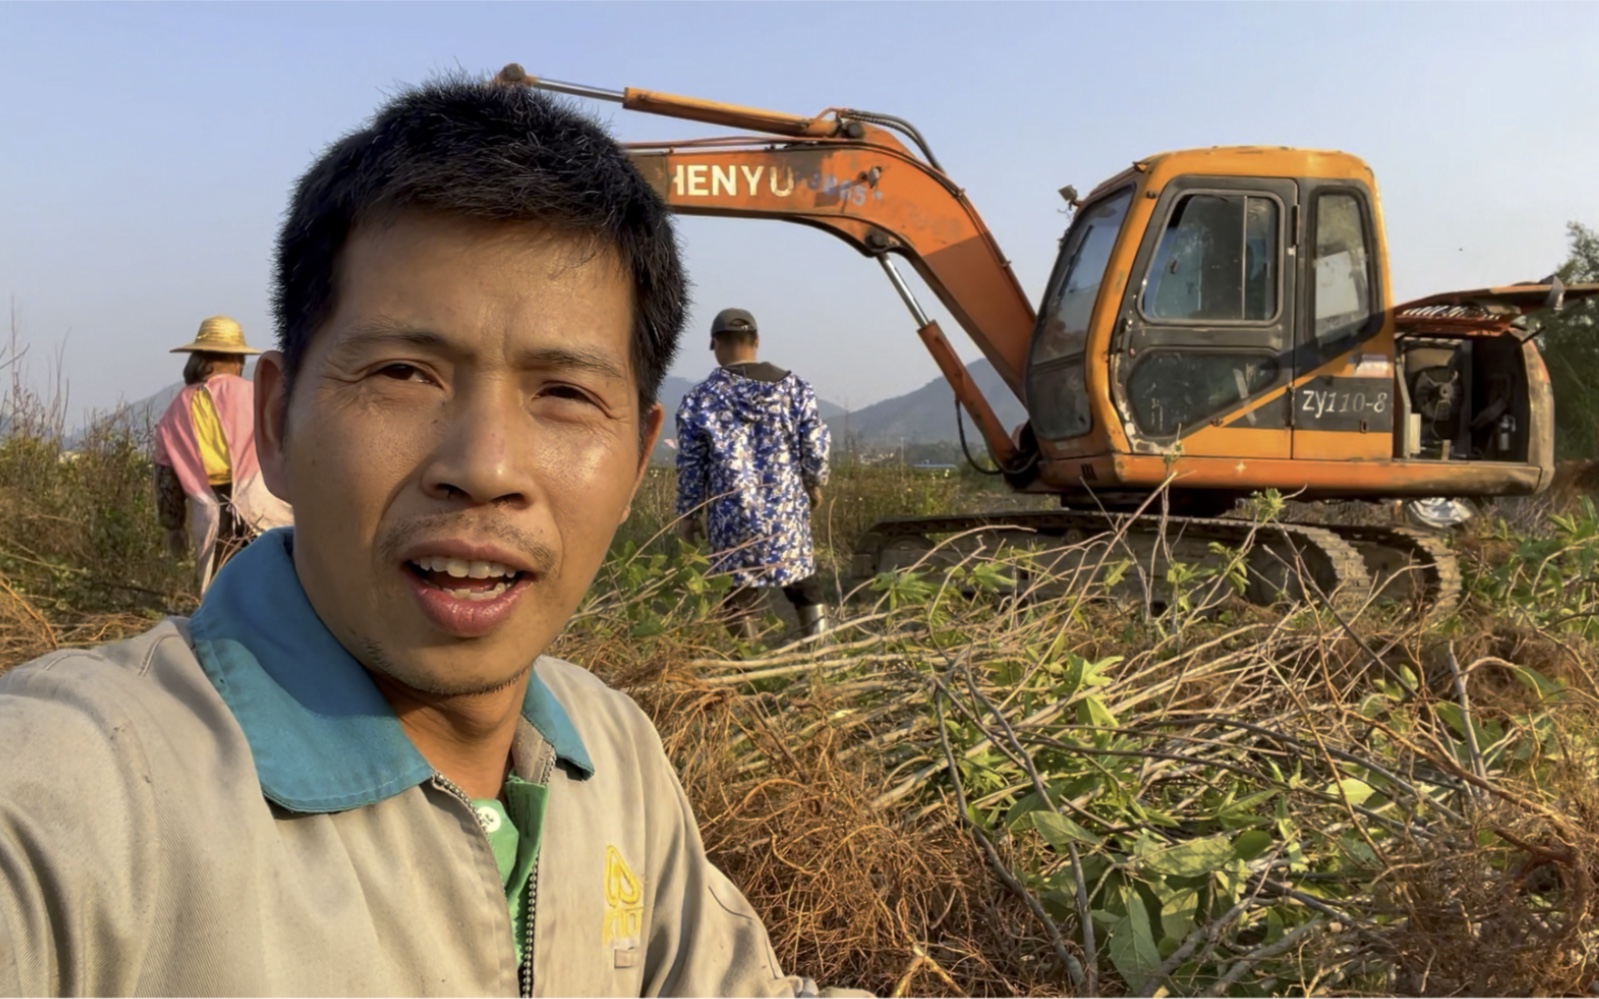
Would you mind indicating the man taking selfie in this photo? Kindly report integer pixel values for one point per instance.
(352, 771)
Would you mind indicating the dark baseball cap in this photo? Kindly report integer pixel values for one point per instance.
(733, 321)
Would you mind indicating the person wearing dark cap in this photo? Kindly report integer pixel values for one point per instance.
(751, 462)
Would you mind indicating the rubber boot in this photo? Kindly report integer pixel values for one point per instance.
(813, 620)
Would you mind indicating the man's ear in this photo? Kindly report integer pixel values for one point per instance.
(272, 423)
(650, 433)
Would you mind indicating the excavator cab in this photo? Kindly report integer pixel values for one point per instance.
(1225, 312)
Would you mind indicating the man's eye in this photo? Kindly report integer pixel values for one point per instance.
(566, 392)
(402, 372)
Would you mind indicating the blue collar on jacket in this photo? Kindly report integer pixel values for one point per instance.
(323, 737)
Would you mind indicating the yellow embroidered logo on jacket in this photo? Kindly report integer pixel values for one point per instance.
(624, 900)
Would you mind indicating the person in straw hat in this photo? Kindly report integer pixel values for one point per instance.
(210, 495)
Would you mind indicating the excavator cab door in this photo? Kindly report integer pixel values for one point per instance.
(1348, 415)
(1203, 352)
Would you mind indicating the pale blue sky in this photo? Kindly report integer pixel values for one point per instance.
(146, 151)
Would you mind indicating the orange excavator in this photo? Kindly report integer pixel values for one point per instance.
(1218, 322)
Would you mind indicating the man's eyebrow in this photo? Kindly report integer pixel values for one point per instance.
(377, 331)
(573, 358)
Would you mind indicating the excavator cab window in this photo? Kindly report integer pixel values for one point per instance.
(1342, 293)
(1056, 391)
(1216, 262)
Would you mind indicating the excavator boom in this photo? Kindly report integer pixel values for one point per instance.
(845, 173)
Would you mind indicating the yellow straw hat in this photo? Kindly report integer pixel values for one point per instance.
(218, 335)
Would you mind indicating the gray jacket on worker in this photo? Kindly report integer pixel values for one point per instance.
(227, 806)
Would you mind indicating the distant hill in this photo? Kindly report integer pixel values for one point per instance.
(673, 389)
(146, 411)
(927, 415)
(924, 416)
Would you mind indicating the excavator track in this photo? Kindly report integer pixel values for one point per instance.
(1409, 565)
(1342, 563)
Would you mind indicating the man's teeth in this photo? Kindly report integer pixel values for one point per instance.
(461, 568)
(488, 594)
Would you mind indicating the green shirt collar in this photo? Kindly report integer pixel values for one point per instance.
(323, 737)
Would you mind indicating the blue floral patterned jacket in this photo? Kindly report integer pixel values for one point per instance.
(750, 441)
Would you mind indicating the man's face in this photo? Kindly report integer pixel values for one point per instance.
(462, 440)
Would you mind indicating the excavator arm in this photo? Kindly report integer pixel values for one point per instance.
(847, 173)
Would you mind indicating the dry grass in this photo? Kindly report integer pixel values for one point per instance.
(867, 896)
(830, 789)
(933, 801)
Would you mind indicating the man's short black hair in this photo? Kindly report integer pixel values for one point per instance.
(738, 338)
(479, 150)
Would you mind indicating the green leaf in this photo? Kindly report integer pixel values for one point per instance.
(1296, 858)
(1061, 902)
(1250, 844)
(1408, 677)
(1156, 817)
(1177, 914)
(1116, 572)
(1373, 706)
(1017, 816)
(1536, 681)
(1243, 812)
(648, 628)
(990, 578)
(1452, 715)
(1092, 711)
(1077, 672)
(1191, 859)
(1059, 831)
(1357, 791)
(1274, 926)
(1130, 942)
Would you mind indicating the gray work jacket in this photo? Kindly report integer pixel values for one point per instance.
(183, 824)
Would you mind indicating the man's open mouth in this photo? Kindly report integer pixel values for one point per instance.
(465, 579)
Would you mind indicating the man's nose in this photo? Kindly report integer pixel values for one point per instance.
(483, 455)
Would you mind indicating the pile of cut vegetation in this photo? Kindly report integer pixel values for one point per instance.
(966, 790)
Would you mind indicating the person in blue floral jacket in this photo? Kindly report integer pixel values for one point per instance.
(751, 462)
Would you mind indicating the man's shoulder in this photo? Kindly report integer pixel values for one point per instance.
(600, 712)
(62, 705)
(115, 663)
(152, 679)
(180, 401)
(707, 386)
(579, 688)
(230, 386)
